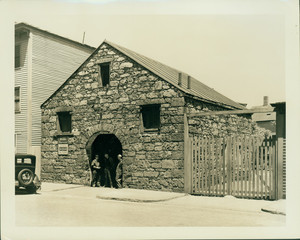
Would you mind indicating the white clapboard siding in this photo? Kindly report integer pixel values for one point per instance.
(54, 60)
(21, 81)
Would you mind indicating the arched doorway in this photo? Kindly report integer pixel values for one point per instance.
(106, 143)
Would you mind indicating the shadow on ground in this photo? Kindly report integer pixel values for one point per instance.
(21, 191)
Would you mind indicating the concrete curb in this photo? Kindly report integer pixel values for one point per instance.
(276, 207)
(138, 200)
(273, 211)
(62, 189)
(49, 187)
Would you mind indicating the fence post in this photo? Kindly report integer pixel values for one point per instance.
(228, 162)
(224, 140)
(274, 174)
(187, 158)
(279, 171)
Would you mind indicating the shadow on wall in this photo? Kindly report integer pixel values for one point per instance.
(106, 143)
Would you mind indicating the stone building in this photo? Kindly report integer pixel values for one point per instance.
(119, 101)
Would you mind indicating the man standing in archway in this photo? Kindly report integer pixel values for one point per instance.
(119, 172)
(108, 166)
(95, 165)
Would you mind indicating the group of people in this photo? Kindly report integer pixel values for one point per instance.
(107, 172)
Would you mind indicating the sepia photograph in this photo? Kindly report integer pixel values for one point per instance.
(149, 119)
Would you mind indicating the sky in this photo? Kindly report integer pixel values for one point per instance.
(237, 49)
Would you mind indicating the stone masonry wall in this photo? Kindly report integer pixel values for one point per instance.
(220, 125)
(152, 160)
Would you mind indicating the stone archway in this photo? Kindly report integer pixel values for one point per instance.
(105, 143)
(92, 133)
(98, 135)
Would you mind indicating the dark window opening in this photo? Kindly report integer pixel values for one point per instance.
(64, 119)
(104, 70)
(17, 56)
(17, 99)
(151, 116)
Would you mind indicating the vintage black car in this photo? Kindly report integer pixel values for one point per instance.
(25, 176)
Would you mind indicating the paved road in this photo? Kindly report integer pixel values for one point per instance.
(77, 208)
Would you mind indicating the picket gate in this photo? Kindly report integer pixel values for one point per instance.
(238, 166)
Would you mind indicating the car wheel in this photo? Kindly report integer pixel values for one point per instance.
(25, 177)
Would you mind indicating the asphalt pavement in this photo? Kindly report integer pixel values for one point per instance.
(69, 205)
(139, 195)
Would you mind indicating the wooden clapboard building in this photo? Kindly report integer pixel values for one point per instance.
(43, 61)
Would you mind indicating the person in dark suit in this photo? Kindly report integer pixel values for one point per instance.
(119, 172)
(95, 165)
(108, 167)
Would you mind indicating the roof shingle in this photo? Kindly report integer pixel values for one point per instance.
(197, 89)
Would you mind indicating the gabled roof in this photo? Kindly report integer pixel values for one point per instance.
(197, 89)
(278, 104)
(279, 107)
(22, 25)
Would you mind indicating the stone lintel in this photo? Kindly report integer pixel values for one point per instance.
(104, 60)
